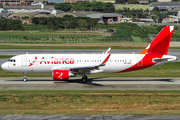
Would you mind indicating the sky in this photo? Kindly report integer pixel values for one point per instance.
(56, 1)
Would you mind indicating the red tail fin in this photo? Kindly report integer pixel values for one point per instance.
(160, 44)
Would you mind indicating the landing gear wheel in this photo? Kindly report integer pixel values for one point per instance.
(84, 79)
(25, 79)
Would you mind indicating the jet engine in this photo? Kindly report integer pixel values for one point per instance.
(62, 74)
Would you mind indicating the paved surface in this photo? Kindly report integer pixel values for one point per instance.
(47, 83)
(89, 117)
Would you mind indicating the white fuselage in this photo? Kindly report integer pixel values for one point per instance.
(46, 63)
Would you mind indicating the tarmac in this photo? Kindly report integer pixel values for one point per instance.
(107, 83)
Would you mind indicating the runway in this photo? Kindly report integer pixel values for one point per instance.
(90, 117)
(40, 83)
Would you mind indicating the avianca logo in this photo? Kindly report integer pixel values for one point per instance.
(60, 76)
(53, 60)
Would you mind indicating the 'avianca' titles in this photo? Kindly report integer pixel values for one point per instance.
(64, 66)
(53, 60)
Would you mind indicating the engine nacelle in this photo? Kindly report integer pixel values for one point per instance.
(62, 74)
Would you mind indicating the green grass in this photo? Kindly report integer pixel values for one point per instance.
(75, 46)
(6, 56)
(85, 102)
(165, 70)
(67, 47)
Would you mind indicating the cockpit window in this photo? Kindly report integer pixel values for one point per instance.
(11, 60)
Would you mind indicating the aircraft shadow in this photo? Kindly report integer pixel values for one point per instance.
(162, 80)
(91, 81)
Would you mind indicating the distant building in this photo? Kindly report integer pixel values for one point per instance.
(175, 11)
(125, 19)
(164, 6)
(27, 21)
(4, 15)
(56, 1)
(171, 19)
(76, 13)
(27, 17)
(1, 10)
(71, 1)
(132, 6)
(29, 8)
(164, 0)
(109, 17)
(19, 2)
(143, 1)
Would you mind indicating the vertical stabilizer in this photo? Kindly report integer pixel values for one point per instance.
(160, 44)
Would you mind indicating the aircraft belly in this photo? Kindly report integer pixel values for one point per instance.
(41, 69)
(116, 68)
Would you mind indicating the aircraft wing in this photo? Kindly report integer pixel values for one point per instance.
(108, 51)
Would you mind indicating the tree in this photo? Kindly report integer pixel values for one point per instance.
(109, 8)
(63, 6)
(121, 1)
(94, 6)
(25, 17)
(7, 4)
(48, 3)
(133, 2)
(1, 5)
(82, 23)
(68, 21)
(156, 9)
(9, 24)
(105, 21)
(28, 3)
(66, 24)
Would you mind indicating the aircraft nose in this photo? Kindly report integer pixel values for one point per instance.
(3, 66)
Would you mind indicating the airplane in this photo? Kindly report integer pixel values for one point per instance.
(64, 66)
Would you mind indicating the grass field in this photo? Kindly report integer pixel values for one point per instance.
(85, 46)
(166, 70)
(73, 46)
(38, 37)
(90, 102)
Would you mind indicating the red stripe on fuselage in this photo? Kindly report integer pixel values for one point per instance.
(147, 61)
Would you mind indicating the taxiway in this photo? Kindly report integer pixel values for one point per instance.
(40, 83)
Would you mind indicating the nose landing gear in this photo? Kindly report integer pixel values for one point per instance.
(25, 77)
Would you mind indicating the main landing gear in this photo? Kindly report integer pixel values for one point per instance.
(84, 78)
(25, 77)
